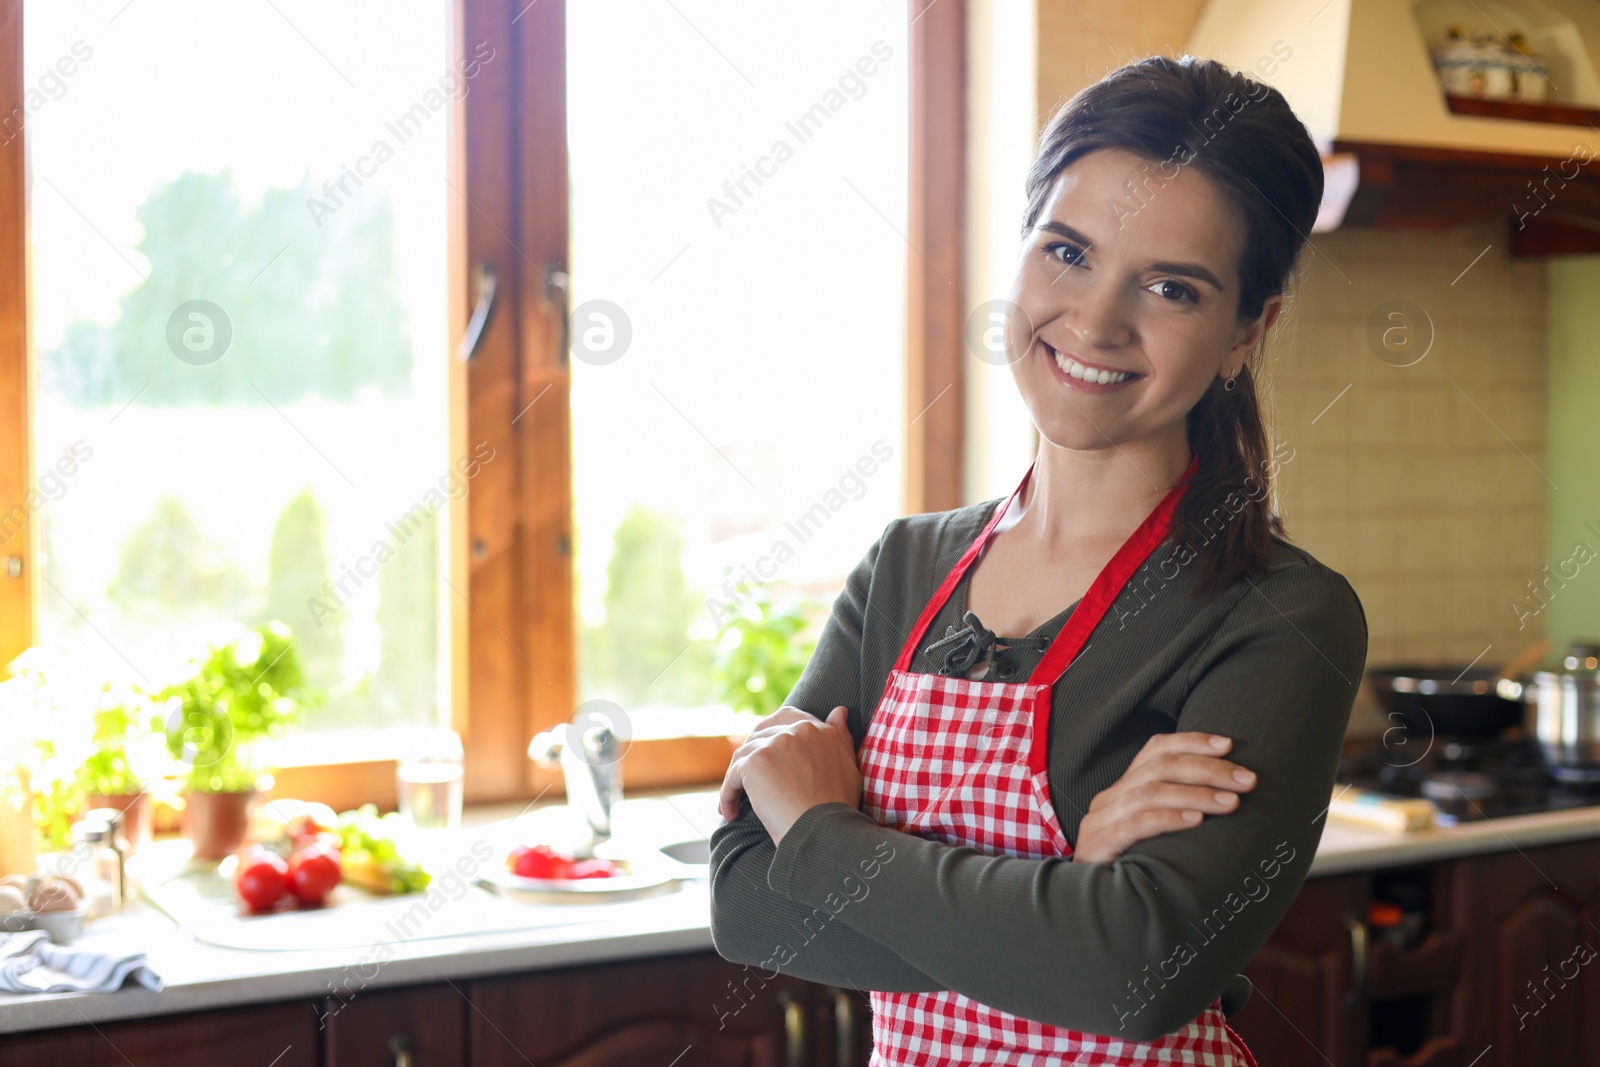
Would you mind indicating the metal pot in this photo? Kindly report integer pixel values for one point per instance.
(1562, 712)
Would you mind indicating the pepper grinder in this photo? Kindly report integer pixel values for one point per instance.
(99, 833)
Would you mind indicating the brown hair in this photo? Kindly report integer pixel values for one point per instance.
(1241, 134)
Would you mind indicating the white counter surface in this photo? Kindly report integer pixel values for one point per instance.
(201, 976)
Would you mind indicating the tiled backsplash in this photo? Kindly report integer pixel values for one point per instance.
(1425, 484)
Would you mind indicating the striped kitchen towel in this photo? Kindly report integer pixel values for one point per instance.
(31, 963)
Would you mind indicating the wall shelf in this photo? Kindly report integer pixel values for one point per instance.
(1523, 111)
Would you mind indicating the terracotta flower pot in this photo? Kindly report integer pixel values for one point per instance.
(135, 808)
(216, 822)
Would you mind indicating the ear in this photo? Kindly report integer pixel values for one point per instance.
(1250, 334)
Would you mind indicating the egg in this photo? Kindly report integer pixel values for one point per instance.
(12, 900)
(54, 894)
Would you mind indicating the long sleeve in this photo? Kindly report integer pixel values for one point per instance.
(751, 922)
(1137, 947)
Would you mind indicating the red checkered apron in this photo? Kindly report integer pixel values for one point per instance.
(963, 762)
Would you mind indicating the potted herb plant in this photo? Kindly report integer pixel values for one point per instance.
(113, 775)
(244, 691)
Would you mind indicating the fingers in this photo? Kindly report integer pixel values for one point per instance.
(1186, 742)
(1194, 770)
(1174, 782)
(732, 789)
(1193, 758)
(839, 718)
(786, 714)
(786, 720)
(1099, 843)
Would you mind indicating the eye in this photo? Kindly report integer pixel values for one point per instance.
(1074, 255)
(1172, 290)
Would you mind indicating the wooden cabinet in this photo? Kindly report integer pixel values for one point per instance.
(683, 1010)
(279, 1035)
(1535, 993)
(382, 1027)
(1504, 974)
(1303, 977)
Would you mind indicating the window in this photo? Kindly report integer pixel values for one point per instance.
(238, 246)
(738, 292)
(255, 243)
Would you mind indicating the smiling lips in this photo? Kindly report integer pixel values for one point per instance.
(1081, 375)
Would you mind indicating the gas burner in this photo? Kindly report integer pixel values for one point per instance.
(1576, 776)
(1471, 779)
(1454, 787)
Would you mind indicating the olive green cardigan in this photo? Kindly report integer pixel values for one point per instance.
(1136, 947)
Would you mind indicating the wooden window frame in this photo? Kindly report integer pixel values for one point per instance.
(513, 636)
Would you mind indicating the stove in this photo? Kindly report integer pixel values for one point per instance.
(1468, 780)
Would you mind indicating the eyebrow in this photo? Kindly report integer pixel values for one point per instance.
(1186, 270)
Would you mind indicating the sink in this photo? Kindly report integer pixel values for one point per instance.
(696, 851)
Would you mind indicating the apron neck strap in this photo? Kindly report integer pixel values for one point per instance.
(951, 580)
(1109, 583)
(1095, 602)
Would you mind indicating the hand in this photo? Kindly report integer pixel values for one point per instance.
(1171, 784)
(789, 763)
(732, 786)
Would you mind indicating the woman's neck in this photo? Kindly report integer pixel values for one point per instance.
(1098, 496)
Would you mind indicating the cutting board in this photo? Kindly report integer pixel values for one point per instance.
(201, 901)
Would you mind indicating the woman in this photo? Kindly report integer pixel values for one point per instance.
(1020, 861)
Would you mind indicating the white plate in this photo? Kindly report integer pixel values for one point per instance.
(649, 873)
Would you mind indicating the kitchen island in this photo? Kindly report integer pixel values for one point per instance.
(1519, 884)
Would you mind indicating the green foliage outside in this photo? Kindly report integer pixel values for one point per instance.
(643, 653)
(168, 565)
(751, 666)
(405, 689)
(762, 653)
(297, 565)
(313, 311)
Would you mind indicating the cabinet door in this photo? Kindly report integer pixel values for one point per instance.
(674, 1011)
(1533, 980)
(382, 1028)
(843, 1027)
(1302, 1010)
(239, 1037)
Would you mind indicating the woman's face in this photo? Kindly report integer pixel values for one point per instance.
(1137, 280)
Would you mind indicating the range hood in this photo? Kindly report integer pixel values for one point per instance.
(1401, 153)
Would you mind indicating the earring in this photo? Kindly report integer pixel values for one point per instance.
(1228, 385)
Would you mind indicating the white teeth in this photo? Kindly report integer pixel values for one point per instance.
(1077, 370)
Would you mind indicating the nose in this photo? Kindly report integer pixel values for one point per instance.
(1096, 314)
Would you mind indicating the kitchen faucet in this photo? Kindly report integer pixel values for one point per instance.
(590, 757)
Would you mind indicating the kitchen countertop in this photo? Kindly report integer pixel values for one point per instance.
(1346, 848)
(200, 976)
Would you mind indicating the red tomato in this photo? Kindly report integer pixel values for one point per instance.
(539, 861)
(313, 872)
(262, 881)
(596, 868)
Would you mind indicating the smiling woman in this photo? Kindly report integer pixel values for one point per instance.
(1074, 841)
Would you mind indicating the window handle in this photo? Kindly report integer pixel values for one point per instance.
(558, 296)
(484, 281)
